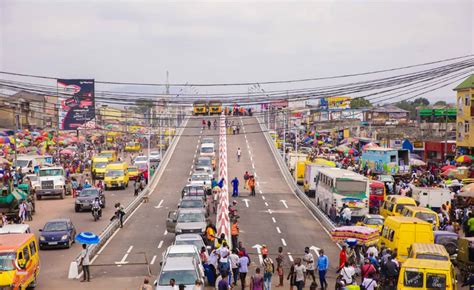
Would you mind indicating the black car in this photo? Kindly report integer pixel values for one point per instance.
(86, 197)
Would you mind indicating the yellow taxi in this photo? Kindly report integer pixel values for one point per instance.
(116, 175)
(423, 274)
(133, 147)
(394, 204)
(111, 155)
(98, 167)
(133, 172)
(374, 221)
(19, 261)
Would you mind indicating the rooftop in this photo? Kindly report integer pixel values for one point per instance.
(388, 109)
(466, 84)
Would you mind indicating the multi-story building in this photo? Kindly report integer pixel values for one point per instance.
(465, 115)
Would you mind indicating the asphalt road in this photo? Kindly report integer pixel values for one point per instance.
(55, 262)
(274, 217)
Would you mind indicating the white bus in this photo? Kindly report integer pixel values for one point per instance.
(339, 186)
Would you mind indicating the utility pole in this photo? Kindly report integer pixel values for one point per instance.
(445, 132)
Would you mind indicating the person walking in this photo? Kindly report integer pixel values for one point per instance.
(234, 230)
(234, 265)
(239, 152)
(243, 264)
(256, 281)
(322, 265)
(292, 276)
(29, 210)
(119, 213)
(252, 185)
(300, 271)
(235, 187)
(280, 272)
(246, 179)
(22, 211)
(146, 285)
(308, 259)
(268, 270)
(84, 263)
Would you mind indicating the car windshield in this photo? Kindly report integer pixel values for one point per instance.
(141, 158)
(154, 154)
(428, 256)
(132, 169)
(55, 227)
(190, 217)
(374, 221)
(7, 261)
(51, 172)
(177, 255)
(207, 150)
(185, 277)
(100, 164)
(191, 203)
(113, 173)
(200, 177)
(426, 216)
(32, 177)
(22, 163)
(132, 144)
(141, 165)
(193, 191)
(106, 155)
(196, 243)
(204, 162)
(89, 192)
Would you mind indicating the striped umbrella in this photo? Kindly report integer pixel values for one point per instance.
(87, 238)
(463, 159)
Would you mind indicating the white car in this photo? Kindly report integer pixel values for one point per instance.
(176, 251)
(155, 156)
(207, 140)
(207, 150)
(190, 239)
(201, 178)
(204, 169)
(140, 158)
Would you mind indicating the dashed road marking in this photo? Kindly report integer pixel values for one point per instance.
(290, 257)
(124, 258)
(165, 233)
(278, 230)
(263, 196)
(283, 242)
(160, 244)
(274, 220)
(153, 260)
(266, 203)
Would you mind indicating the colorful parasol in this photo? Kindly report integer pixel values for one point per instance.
(463, 159)
(364, 235)
(446, 167)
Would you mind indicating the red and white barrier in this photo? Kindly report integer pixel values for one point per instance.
(222, 219)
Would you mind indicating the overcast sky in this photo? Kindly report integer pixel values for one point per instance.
(235, 41)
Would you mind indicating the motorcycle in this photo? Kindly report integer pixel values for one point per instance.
(96, 212)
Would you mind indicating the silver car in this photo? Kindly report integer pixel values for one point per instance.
(187, 221)
(190, 239)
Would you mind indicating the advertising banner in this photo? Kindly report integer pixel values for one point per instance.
(76, 98)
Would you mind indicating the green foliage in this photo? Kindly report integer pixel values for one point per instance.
(360, 103)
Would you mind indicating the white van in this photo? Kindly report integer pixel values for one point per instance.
(30, 163)
(433, 197)
(311, 173)
(207, 150)
(15, 229)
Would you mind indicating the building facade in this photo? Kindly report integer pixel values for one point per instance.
(465, 114)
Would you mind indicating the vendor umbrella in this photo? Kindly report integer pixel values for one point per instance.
(416, 162)
(463, 159)
(446, 167)
(363, 235)
(66, 152)
(87, 238)
(352, 151)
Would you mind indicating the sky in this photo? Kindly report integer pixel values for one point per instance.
(229, 41)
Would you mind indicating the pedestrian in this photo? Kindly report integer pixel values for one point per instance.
(235, 187)
(29, 210)
(280, 271)
(309, 264)
(243, 264)
(208, 124)
(238, 129)
(234, 265)
(224, 281)
(203, 124)
(246, 179)
(256, 281)
(348, 273)
(119, 213)
(268, 270)
(300, 271)
(146, 285)
(292, 276)
(22, 211)
(84, 263)
(239, 152)
(210, 234)
(322, 265)
(366, 269)
(198, 285)
(252, 185)
(342, 258)
(234, 230)
(369, 283)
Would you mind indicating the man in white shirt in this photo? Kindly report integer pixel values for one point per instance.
(309, 264)
(372, 249)
(369, 283)
(234, 260)
(85, 262)
(348, 273)
(300, 271)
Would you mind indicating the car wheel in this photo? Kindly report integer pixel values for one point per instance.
(103, 204)
(62, 195)
(68, 244)
(77, 208)
(33, 283)
(38, 197)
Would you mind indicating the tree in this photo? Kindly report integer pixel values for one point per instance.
(421, 102)
(360, 103)
(441, 103)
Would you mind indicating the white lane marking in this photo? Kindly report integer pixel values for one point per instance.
(274, 220)
(290, 257)
(251, 159)
(258, 184)
(131, 214)
(284, 202)
(263, 196)
(124, 258)
(153, 260)
(283, 242)
(160, 244)
(278, 230)
(253, 166)
(270, 211)
(192, 166)
(266, 203)
(159, 205)
(190, 173)
(165, 233)
(246, 202)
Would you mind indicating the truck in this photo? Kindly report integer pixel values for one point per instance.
(292, 158)
(31, 163)
(52, 182)
(311, 173)
(431, 197)
(10, 200)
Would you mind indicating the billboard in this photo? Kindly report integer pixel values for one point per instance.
(76, 103)
(336, 103)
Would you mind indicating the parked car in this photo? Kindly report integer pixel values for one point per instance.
(208, 140)
(190, 239)
(186, 221)
(204, 161)
(194, 190)
(155, 156)
(140, 158)
(57, 233)
(201, 178)
(448, 239)
(142, 166)
(133, 172)
(86, 197)
(204, 169)
(185, 271)
(175, 251)
(195, 203)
